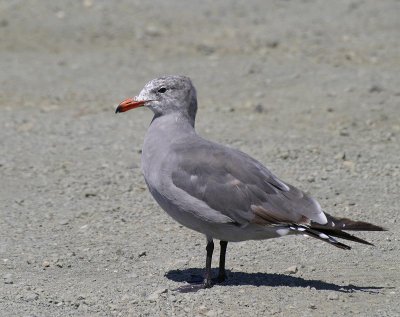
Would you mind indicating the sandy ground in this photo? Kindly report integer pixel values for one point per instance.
(310, 88)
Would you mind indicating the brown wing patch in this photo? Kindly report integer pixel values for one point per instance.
(265, 217)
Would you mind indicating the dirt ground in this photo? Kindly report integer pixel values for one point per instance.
(310, 88)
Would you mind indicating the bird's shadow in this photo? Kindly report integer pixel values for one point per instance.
(194, 278)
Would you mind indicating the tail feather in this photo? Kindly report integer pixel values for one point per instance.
(334, 228)
(347, 224)
(319, 235)
(341, 234)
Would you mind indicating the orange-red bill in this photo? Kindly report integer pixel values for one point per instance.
(129, 104)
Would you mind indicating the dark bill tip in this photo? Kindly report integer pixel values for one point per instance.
(129, 104)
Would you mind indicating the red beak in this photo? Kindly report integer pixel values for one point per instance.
(129, 104)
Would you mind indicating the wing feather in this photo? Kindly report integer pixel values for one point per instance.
(240, 187)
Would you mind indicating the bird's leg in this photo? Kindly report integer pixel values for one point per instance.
(210, 249)
(222, 273)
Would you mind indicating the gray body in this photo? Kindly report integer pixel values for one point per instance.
(159, 166)
(213, 189)
(216, 190)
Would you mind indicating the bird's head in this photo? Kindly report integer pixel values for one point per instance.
(165, 95)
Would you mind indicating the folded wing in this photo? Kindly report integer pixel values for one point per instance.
(236, 185)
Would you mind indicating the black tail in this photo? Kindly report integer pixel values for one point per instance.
(334, 228)
(347, 224)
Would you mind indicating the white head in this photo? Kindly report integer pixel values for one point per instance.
(165, 95)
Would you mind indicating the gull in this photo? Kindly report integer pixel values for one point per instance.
(219, 191)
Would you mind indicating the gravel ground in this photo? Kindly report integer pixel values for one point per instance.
(310, 88)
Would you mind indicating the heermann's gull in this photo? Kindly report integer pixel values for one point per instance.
(219, 191)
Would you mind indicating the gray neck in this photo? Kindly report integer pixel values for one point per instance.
(167, 129)
(163, 132)
(175, 121)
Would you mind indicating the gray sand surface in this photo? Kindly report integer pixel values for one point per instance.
(310, 88)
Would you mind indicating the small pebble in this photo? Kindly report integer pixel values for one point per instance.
(291, 270)
(259, 108)
(133, 275)
(284, 155)
(340, 156)
(153, 31)
(349, 164)
(375, 88)
(202, 310)
(30, 296)
(154, 296)
(63, 222)
(211, 313)
(311, 179)
(272, 43)
(344, 133)
(30, 260)
(8, 278)
(46, 263)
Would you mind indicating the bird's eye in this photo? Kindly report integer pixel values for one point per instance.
(162, 90)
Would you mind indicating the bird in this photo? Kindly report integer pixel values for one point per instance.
(219, 191)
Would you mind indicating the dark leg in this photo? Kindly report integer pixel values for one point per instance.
(210, 250)
(222, 273)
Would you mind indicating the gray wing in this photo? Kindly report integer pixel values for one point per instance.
(236, 185)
